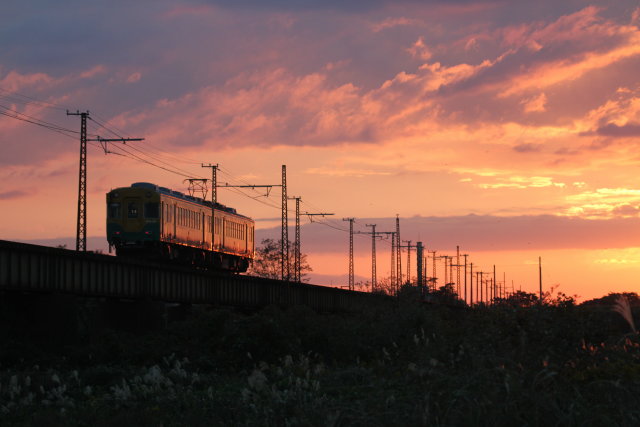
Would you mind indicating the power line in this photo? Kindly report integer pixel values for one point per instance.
(16, 97)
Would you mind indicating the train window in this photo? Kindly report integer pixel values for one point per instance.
(132, 210)
(114, 210)
(151, 210)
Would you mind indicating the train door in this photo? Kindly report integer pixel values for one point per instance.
(203, 225)
(163, 218)
(245, 230)
(223, 233)
(250, 239)
(174, 208)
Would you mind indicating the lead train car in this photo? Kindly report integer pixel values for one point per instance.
(154, 222)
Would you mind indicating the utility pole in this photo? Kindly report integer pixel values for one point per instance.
(425, 280)
(433, 268)
(81, 223)
(399, 254)
(351, 279)
(471, 286)
(214, 198)
(393, 261)
(481, 282)
(465, 278)
(296, 245)
(504, 284)
(409, 246)
(214, 181)
(373, 256)
(444, 257)
(419, 267)
(408, 260)
(393, 284)
(284, 239)
(540, 276)
(458, 269)
(495, 283)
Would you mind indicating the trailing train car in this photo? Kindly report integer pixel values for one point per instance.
(149, 221)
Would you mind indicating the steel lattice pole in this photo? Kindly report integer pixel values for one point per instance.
(297, 244)
(284, 243)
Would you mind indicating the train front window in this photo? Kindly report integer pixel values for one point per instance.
(132, 210)
(114, 210)
(151, 210)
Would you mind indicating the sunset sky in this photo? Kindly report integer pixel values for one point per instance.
(508, 128)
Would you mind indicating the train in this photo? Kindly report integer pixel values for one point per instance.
(145, 220)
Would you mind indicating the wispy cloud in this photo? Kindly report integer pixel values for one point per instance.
(13, 194)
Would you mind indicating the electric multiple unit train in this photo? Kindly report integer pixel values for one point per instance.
(148, 221)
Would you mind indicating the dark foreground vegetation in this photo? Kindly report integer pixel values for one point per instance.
(410, 364)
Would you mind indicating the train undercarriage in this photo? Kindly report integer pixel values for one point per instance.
(185, 255)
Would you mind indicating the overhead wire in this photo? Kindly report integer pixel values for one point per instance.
(143, 155)
(28, 100)
(152, 155)
(9, 112)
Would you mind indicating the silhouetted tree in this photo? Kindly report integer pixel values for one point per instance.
(445, 294)
(519, 299)
(611, 298)
(267, 262)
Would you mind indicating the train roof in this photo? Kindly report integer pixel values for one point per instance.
(168, 192)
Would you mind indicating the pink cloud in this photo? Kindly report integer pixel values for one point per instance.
(93, 72)
(419, 50)
(392, 23)
(134, 77)
(15, 82)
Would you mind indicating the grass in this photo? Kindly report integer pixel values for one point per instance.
(406, 365)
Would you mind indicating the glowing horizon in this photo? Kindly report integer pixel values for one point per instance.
(519, 120)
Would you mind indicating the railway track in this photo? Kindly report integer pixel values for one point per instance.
(40, 269)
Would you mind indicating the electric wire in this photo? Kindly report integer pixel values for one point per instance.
(144, 156)
(28, 100)
(8, 112)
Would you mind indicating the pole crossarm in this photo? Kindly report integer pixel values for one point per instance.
(311, 215)
(104, 141)
(253, 187)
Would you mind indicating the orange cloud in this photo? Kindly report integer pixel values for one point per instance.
(536, 104)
